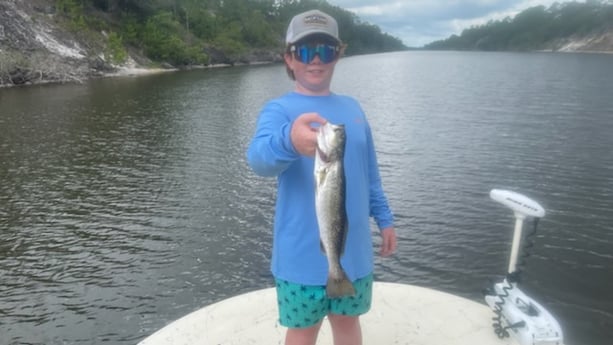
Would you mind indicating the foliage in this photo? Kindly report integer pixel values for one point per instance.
(130, 29)
(73, 9)
(161, 41)
(176, 31)
(534, 28)
(115, 49)
(230, 40)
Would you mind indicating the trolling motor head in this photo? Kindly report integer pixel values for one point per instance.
(522, 207)
(520, 204)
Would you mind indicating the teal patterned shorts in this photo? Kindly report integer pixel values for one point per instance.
(302, 306)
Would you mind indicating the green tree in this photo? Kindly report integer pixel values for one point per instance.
(534, 28)
(176, 31)
(73, 9)
(161, 41)
(115, 50)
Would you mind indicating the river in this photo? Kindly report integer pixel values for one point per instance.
(126, 202)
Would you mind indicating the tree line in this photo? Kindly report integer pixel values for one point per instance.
(535, 28)
(184, 32)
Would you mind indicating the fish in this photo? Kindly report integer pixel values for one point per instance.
(330, 205)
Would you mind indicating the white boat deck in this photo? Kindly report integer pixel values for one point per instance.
(400, 314)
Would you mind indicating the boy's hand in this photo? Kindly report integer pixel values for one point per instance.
(389, 243)
(304, 135)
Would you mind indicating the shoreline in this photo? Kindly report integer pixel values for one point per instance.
(132, 70)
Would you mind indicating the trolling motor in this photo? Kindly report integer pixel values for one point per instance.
(517, 314)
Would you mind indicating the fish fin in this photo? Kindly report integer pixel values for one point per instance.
(339, 287)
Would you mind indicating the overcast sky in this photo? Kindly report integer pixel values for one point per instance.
(418, 22)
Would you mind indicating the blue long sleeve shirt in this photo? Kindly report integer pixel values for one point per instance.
(296, 253)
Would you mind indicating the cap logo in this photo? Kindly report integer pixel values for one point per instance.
(316, 19)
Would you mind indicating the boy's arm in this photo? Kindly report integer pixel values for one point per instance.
(271, 150)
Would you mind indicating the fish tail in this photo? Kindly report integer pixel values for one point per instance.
(339, 287)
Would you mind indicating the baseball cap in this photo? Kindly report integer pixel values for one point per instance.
(311, 22)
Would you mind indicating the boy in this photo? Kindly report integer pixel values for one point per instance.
(284, 146)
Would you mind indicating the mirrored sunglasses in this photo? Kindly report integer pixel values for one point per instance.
(305, 53)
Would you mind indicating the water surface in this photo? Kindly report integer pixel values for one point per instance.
(126, 203)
